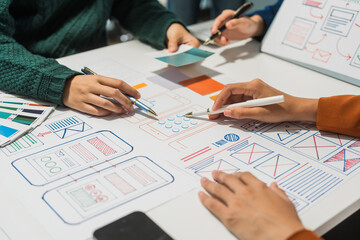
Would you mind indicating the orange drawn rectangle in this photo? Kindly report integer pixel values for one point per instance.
(202, 85)
(141, 85)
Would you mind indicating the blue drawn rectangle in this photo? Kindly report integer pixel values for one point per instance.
(276, 166)
(283, 133)
(106, 196)
(63, 160)
(68, 127)
(339, 21)
(344, 161)
(251, 153)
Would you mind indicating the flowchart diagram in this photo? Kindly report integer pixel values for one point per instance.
(321, 35)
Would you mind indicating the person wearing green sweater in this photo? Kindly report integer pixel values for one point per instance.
(34, 33)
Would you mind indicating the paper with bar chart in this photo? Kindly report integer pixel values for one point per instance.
(319, 34)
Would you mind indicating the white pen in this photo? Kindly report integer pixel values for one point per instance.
(251, 103)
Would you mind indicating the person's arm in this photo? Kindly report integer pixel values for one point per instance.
(28, 74)
(340, 114)
(25, 73)
(250, 209)
(150, 21)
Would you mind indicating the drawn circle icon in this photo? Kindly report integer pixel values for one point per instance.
(231, 137)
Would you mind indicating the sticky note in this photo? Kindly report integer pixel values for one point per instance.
(141, 85)
(202, 85)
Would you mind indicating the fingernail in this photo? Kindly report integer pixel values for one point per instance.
(203, 180)
(131, 108)
(227, 113)
(138, 95)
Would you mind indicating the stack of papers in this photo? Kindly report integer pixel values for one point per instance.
(19, 116)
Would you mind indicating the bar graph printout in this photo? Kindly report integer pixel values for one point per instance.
(321, 35)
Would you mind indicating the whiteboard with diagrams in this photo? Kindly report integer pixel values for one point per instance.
(323, 35)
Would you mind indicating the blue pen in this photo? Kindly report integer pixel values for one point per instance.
(134, 101)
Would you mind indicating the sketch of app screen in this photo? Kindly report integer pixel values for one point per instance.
(299, 33)
(106, 189)
(175, 124)
(161, 103)
(339, 21)
(65, 159)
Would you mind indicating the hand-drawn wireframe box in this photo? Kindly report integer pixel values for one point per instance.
(63, 160)
(299, 33)
(106, 189)
(173, 125)
(162, 104)
(339, 21)
(67, 127)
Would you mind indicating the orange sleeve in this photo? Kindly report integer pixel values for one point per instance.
(340, 114)
(304, 234)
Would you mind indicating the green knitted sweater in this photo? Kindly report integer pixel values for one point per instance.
(34, 33)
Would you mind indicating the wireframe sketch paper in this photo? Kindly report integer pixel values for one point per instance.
(79, 172)
(322, 35)
(184, 56)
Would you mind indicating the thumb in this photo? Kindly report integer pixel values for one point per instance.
(172, 45)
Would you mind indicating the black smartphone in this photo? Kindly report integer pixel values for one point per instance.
(135, 226)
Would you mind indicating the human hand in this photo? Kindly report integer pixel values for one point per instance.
(237, 29)
(248, 208)
(177, 35)
(82, 93)
(292, 109)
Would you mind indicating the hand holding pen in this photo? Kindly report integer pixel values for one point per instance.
(83, 93)
(133, 99)
(237, 27)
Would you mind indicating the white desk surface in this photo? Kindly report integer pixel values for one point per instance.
(185, 217)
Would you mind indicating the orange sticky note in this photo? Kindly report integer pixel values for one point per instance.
(202, 85)
(141, 85)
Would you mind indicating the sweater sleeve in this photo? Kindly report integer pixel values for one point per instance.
(268, 14)
(340, 114)
(147, 19)
(304, 234)
(25, 73)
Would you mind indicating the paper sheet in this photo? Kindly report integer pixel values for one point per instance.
(184, 56)
(74, 174)
(322, 35)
